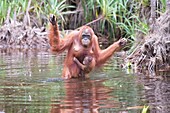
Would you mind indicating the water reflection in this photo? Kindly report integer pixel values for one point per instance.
(25, 86)
(85, 96)
(157, 92)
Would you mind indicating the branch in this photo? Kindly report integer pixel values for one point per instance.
(100, 18)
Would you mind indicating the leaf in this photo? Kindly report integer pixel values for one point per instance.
(145, 109)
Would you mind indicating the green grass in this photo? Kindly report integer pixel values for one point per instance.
(41, 9)
(115, 18)
(145, 109)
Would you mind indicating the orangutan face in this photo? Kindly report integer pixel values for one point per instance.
(86, 38)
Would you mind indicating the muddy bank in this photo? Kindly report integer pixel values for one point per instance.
(17, 35)
(154, 53)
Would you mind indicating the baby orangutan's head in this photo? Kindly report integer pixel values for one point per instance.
(87, 60)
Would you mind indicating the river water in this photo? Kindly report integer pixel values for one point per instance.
(30, 82)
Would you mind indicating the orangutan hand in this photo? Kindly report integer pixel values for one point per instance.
(53, 19)
(122, 42)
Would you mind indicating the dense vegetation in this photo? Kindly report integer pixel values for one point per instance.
(113, 18)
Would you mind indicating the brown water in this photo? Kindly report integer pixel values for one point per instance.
(30, 82)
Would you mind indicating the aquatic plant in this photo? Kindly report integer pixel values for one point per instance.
(145, 109)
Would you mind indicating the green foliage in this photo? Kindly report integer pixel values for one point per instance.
(58, 8)
(40, 9)
(163, 2)
(145, 109)
(13, 7)
(118, 16)
(145, 3)
(89, 9)
(109, 9)
(3, 10)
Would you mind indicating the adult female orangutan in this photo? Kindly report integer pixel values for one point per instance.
(80, 43)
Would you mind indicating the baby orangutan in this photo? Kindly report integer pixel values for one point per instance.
(85, 67)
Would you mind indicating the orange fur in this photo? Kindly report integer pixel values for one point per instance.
(73, 44)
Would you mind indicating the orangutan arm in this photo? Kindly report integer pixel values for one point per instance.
(103, 55)
(58, 44)
(80, 65)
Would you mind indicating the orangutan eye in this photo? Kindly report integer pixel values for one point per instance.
(86, 36)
